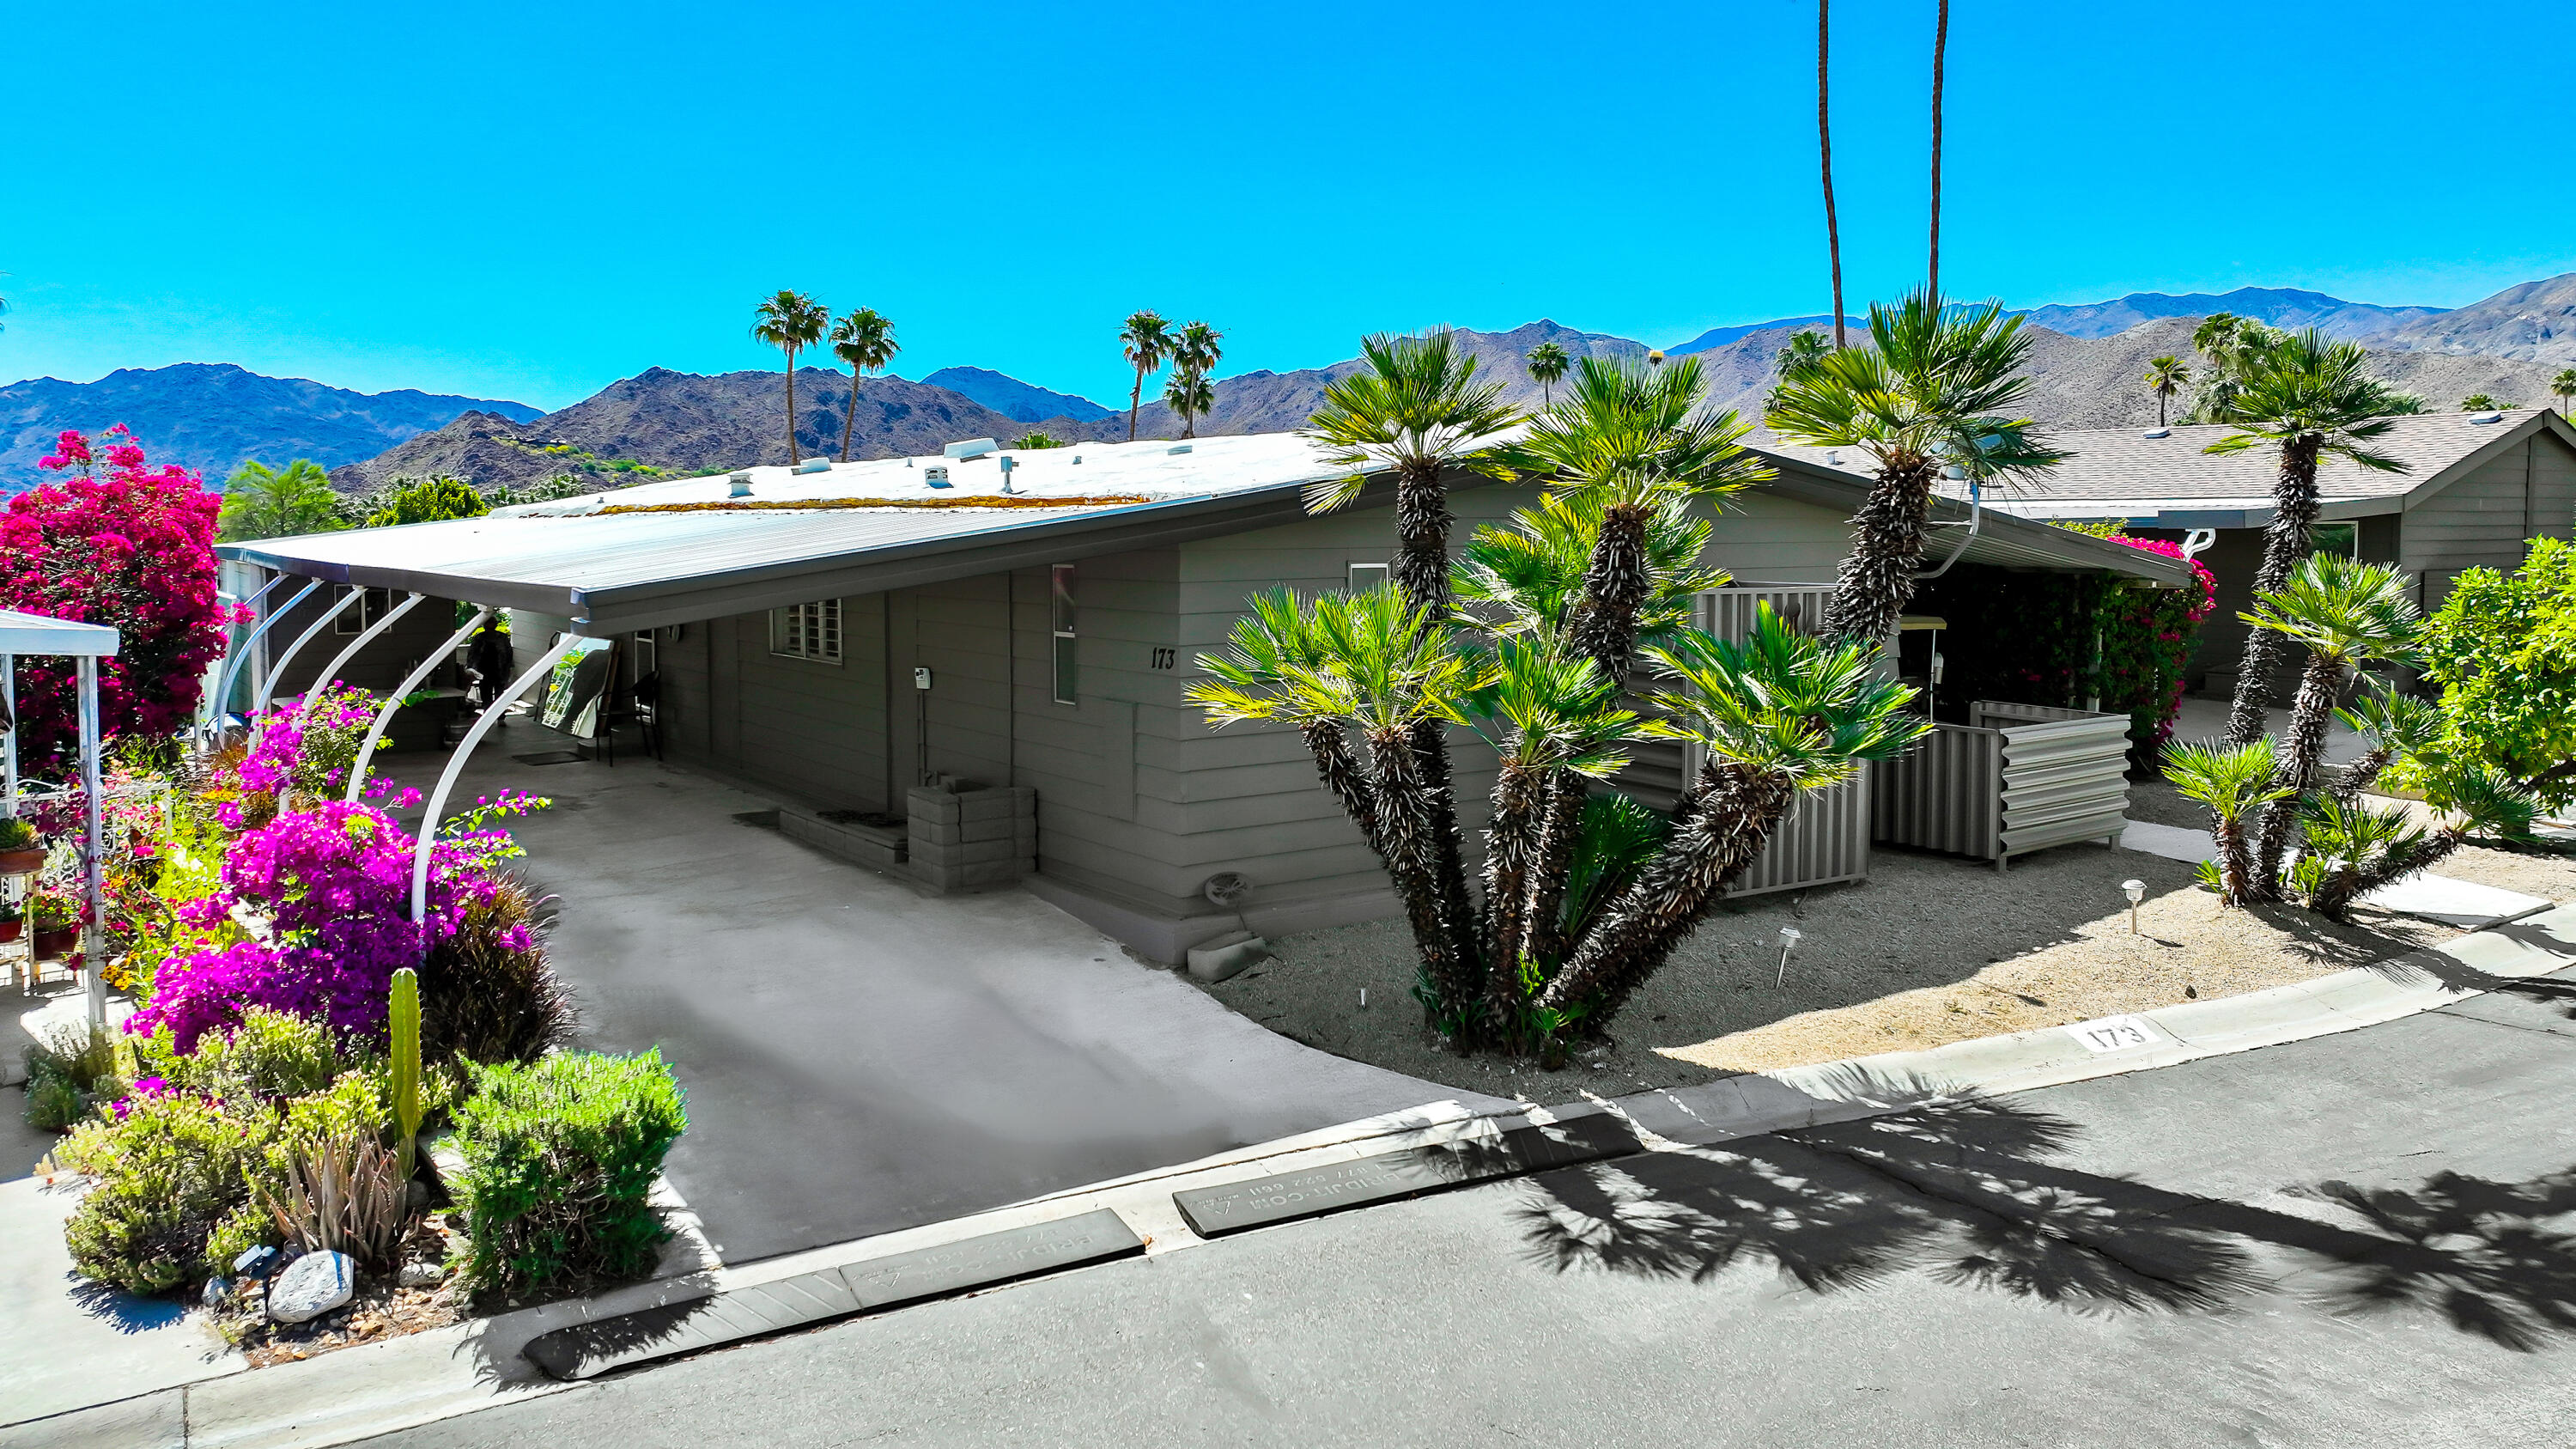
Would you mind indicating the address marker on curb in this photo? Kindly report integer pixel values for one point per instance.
(1235, 1206)
(587, 1350)
(2117, 1034)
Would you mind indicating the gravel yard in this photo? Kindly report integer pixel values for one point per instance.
(1930, 949)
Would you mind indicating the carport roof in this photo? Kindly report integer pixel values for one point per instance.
(666, 553)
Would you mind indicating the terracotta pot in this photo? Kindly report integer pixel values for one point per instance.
(22, 862)
(56, 944)
(9, 931)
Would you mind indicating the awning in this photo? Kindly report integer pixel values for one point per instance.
(22, 633)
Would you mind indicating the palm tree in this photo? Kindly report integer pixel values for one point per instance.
(1940, 51)
(1033, 440)
(2563, 387)
(864, 340)
(1825, 162)
(265, 502)
(790, 322)
(1147, 339)
(2166, 376)
(1547, 363)
(1197, 347)
(1929, 394)
(1417, 411)
(2347, 614)
(2236, 782)
(1189, 395)
(2312, 398)
(2479, 402)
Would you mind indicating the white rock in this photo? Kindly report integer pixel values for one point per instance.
(312, 1286)
(422, 1273)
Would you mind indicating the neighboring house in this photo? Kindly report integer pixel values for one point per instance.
(2476, 486)
(785, 616)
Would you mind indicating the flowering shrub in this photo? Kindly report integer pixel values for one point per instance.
(2147, 637)
(125, 545)
(334, 886)
(311, 750)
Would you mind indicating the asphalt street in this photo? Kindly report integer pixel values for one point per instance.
(2354, 1240)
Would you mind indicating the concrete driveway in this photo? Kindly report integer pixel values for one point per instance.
(861, 1058)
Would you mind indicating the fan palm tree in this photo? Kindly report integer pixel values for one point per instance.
(790, 322)
(265, 502)
(1197, 347)
(1940, 52)
(1547, 364)
(2480, 402)
(2166, 376)
(2563, 387)
(1189, 395)
(864, 340)
(1825, 163)
(1930, 393)
(2346, 614)
(2311, 398)
(1147, 341)
(2236, 782)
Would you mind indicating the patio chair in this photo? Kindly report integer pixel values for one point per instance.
(639, 704)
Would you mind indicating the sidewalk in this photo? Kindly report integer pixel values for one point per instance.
(375, 1389)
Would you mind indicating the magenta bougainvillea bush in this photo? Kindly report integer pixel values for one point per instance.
(332, 886)
(2147, 638)
(120, 543)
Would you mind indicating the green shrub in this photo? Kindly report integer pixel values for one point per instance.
(486, 992)
(560, 1157)
(272, 1054)
(16, 834)
(172, 1177)
(67, 1072)
(2503, 649)
(53, 1104)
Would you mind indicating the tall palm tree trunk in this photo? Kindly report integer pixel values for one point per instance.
(1940, 53)
(1542, 936)
(1342, 776)
(2303, 753)
(1520, 798)
(1614, 587)
(851, 420)
(792, 458)
(1135, 400)
(2285, 544)
(1825, 156)
(1877, 581)
(2235, 851)
(1409, 836)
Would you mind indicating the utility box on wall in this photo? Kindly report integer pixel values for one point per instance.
(971, 839)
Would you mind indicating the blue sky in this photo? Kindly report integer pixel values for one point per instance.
(532, 200)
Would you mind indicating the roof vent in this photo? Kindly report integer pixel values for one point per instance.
(1953, 471)
(936, 475)
(2486, 417)
(740, 485)
(2157, 433)
(971, 448)
(1178, 448)
(1077, 457)
(1833, 459)
(813, 465)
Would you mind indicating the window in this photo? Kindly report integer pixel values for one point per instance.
(1060, 605)
(1366, 576)
(360, 616)
(2336, 538)
(807, 631)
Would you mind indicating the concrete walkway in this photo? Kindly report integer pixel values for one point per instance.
(861, 1058)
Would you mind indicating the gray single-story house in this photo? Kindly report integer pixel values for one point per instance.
(2476, 487)
(844, 637)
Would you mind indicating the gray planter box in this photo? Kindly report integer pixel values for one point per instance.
(2018, 778)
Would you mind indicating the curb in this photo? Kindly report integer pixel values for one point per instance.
(402, 1383)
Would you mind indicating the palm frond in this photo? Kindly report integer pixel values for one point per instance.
(1809, 710)
(1415, 408)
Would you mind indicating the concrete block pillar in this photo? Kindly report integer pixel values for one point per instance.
(963, 840)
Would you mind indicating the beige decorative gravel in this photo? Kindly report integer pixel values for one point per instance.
(1930, 949)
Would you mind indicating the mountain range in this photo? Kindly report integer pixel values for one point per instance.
(2085, 366)
(211, 416)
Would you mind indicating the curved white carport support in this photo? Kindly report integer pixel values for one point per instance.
(331, 671)
(456, 766)
(214, 701)
(402, 691)
(277, 671)
(232, 667)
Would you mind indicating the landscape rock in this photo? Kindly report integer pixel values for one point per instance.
(422, 1273)
(312, 1286)
(216, 1291)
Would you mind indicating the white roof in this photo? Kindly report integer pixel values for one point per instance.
(40, 634)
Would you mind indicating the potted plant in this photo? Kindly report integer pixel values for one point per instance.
(21, 851)
(10, 924)
(55, 918)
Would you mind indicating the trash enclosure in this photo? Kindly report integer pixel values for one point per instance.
(2014, 779)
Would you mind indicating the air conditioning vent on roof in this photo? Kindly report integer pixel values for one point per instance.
(2157, 433)
(1179, 448)
(813, 465)
(740, 486)
(971, 448)
(2486, 417)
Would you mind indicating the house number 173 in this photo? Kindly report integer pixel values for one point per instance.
(1166, 658)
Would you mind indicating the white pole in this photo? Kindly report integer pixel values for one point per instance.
(331, 671)
(9, 741)
(277, 671)
(94, 933)
(411, 681)
(456, 766)
(224, 690)
(224, 661)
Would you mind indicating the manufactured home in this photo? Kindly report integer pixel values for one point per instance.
(971, 667)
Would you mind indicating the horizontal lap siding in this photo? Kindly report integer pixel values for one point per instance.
(380, 666)
(813, 731)
(2484, 519)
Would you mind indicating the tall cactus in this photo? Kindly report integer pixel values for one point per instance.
(406, 1065)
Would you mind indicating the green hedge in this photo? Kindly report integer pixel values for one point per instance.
(560, 1157)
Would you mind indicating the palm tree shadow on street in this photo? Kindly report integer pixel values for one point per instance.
(1965, 1192)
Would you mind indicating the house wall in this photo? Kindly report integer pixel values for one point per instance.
(812, 730)
(380, 666)
(2483, 519)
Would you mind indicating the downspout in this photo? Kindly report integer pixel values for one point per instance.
(1976, 520)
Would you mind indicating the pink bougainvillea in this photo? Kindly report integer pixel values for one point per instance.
(2147, 638)
(126, 545)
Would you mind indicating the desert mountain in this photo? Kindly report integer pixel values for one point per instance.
(1013, 398)
(211, 416)
(2284, 307)
(2534, 322)
(698, 424)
